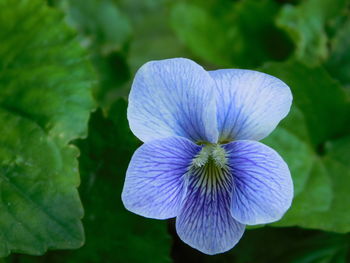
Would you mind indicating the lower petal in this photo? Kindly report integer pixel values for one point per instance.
(154, 185)
(263, 187)
(204, 221)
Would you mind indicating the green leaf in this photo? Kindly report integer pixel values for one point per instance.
(319, 99)
(153, 37)
(277, 245)
(297, 154)
(328, 254)
(200, 31)
(45, 102)
(306, 24)
(316, 196)
(339, 150)
(241, 34)
(312, 185)
(289, 245)
(338, 63)
(336, 218)
(101, 23)
(112, 233)
(296, 124)
(105, 157)
(40, 207)
(337, 162)
(318, 96)
(106, 32)
(44, 74)
(323, 202)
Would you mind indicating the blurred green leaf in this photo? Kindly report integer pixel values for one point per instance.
(312, 185)
(339, 150)
(297, 154)
(113, 233)
(324, 255)
(317, 196)
(291, 245)
(113, 74)
(338, 63)
(100, 22)
(318, 96)
(45, 102)
(201, 32)
(276, 245)
(324, 201)
(326, 109)
(153, 38)
(290, 139)
(337, 218)
(305, 24)
(122, 35)
(106, 32)
(295, 123)
(241, 34)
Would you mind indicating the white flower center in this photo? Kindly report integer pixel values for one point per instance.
(211, 152)
(210, 171)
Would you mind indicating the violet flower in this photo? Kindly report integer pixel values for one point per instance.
(200, 161)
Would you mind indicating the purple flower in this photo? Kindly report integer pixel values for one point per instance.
(200, 161)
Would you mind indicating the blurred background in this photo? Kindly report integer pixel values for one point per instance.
(306, 43)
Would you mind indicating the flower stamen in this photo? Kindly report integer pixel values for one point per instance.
(211, 152)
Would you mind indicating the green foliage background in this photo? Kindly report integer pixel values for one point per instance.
(66, 67)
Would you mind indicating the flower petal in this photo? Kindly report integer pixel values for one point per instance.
(204, 221)
(173, 97)
(263, 187)
(154, 185)
(250, 104)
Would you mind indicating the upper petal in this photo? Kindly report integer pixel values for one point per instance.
(173, 97)
(263, 187)
(154, 186)
(204, 221)
(250, 104)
